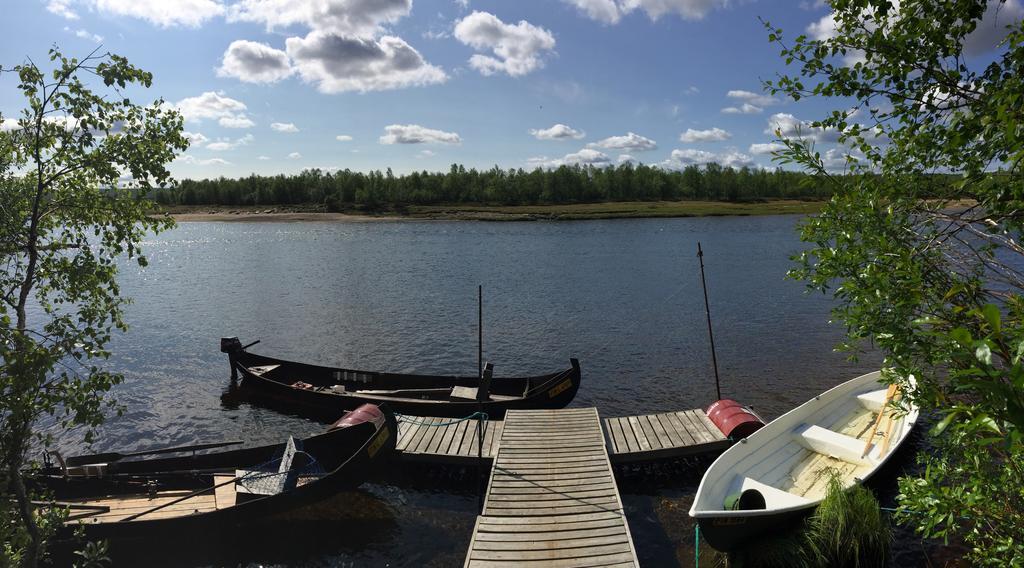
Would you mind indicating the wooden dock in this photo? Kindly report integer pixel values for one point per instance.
(552, 500)
(662, 436)
(629, 439)
(446, 441)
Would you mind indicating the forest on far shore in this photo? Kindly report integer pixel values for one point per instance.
(342, 189)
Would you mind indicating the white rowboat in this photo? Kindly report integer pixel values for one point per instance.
(782, 470)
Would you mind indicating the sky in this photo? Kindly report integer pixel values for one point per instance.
(278, 86)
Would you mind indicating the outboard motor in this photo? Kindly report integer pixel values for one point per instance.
(231, 346)
(735, 420)
(365, 413)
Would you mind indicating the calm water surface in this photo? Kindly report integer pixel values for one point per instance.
(624, 296)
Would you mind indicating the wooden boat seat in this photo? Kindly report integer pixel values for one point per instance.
(774, 497)
(873, 401)
(262, 370)
(224, 496)
(831, 443)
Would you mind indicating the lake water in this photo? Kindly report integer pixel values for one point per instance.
(624, 296)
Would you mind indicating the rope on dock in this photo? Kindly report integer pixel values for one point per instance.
(411, 420)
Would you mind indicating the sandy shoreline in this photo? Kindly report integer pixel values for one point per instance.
(279, 217)
(467, 212)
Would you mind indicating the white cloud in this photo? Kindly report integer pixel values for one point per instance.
(416, 134)
(190, 159)
(85, 34)
(606, 11)
(611, 11)
(338, 64)
(752, 98)
(263, 158)
(294, 156)
(768, 148)
(584, 157)
(210, 105)
(284, 127)
(190, 13)
(624, 158)
(557, 132)
(679, 159)
(254, 62)
(195, 139)
(352, 18)
(710, 135)
(62, 8)
(235, 122)
(517, 48)
(223, 144)
(425, 154)
(343, 138)
(9, 124)
(631, 142)
(785, 125)
(745, 108)
(992, 28)
(691, 90)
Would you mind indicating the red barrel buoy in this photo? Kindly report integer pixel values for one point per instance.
(733, 419)
(365, 413)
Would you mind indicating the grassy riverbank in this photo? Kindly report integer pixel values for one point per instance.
(576, 211)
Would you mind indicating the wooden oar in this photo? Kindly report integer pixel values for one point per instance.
(889, 393)
(888, 427)
(115, 456)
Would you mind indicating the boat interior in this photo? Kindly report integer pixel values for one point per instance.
(343, 382)
(164, 497)
(839, 433)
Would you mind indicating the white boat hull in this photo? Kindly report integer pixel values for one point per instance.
(790, 461)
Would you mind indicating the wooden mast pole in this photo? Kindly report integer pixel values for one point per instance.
(707, 310)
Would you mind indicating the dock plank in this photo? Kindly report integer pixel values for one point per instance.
(552, 499)
(537, 437)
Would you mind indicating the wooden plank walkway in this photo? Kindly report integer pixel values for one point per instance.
(662, 436)
(552, 499)
(629, 439)
(446, 440)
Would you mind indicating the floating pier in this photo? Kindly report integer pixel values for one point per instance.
(552, 500)
(628, 439)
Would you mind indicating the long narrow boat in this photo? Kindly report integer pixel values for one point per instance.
(780, 473)
(313, 388)
(208, 493)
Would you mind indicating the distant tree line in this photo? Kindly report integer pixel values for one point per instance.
(566, 184)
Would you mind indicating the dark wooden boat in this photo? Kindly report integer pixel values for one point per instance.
(319, 389)
(210, 493)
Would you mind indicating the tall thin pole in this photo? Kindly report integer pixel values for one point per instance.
(707, 310)
(480, 331)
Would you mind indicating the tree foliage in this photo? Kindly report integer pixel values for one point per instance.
(929, 273)
(65, 219)
(566, 184)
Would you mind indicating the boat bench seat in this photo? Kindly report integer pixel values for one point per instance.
(873, 400)
(773, 496)
(831, 443)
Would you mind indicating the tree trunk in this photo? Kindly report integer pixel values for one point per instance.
(27, 516)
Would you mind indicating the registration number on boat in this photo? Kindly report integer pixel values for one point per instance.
(560, 388)
(377, 442)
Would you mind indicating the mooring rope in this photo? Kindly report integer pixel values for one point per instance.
(696, 546)
(411, 420)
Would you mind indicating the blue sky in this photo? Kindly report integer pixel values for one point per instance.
(269, 86)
